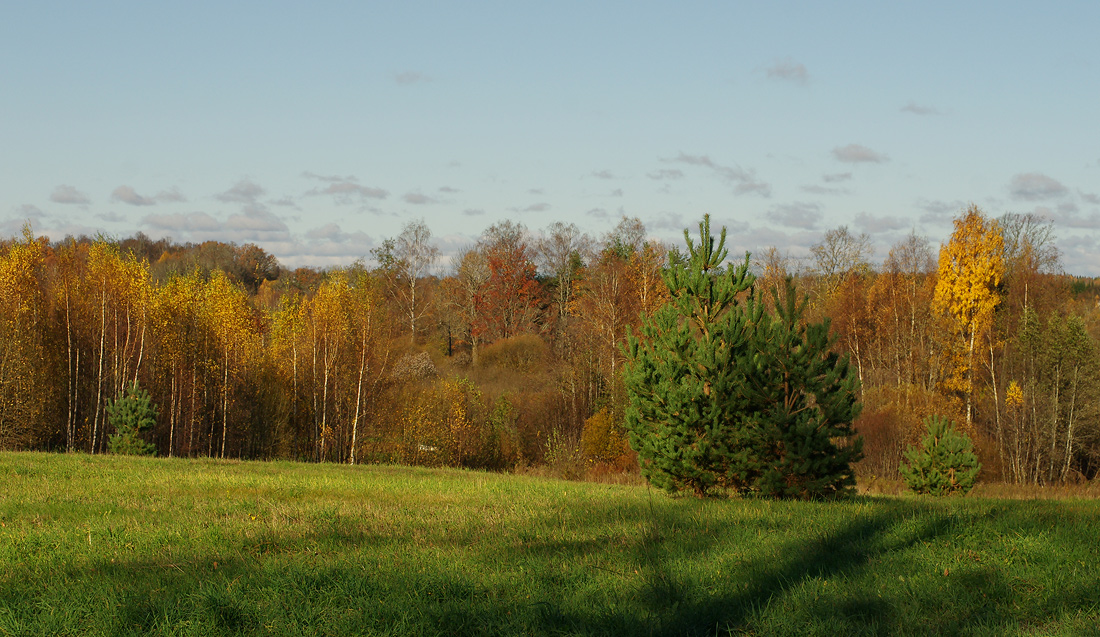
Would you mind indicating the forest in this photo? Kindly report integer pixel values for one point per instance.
(510, 355)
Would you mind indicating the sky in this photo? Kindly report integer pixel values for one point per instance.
(316, 130)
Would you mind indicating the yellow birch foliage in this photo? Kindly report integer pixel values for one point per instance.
(971, 267)
(23, 377)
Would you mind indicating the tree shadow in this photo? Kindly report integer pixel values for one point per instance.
(319, 583)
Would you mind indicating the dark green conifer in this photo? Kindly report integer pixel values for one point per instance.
(682, 371)
(723, 394)
(804, 399)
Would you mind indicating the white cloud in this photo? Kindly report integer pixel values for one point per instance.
(1035, 187)
(418, 199)
(28, 211)
(343, 190)
(938, 211)
(668, 221)
(69, 195)
(172, 195)
(796, 215)
(743, 181)
(856, 153)
(253, 225)
(788, 70)
(406, 78)
(815, 189)
(244, 191)
(126, 194)
(1066, 216)
(666, 173)
(917, 109)
(875, 225)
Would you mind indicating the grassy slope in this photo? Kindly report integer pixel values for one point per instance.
(104, 545)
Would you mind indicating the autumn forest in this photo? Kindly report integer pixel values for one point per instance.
(511, 355)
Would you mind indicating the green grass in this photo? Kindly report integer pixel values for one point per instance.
(108, 546)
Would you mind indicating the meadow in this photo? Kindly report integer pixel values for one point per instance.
(107, 545)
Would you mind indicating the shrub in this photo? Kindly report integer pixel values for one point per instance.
(130, 414)
(522, 353)
(602, 439)
(944, 463)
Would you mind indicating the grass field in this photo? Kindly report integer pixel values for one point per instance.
(109, 545)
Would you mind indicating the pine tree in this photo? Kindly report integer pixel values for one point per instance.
(130, 414)
(944, 464)
(804, 399)
(682, 373)
(722, 394)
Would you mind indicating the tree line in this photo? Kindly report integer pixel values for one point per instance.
(512, 354)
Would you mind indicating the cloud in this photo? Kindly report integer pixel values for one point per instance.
(855, 154)
(937, 211)
(836, 177)
(618, 192)
(244, 191)
(534, 191)
(173, 195)
(796, 215)
(253, 225)
(184, 223)
(418, 199)
(916, 109)
(598, 213)
(406, 78)
(668, 221)
(69, 195)
(538, 207)
(326, 245)
(815, 189)
(1035, 187)
(473, 212)
(603, 174)
(126, 194)
(743, 181)
(27, 211)
(1090, 197)
(876, 225)
(449, 190)
(788, 70)
(1066, 216)
(666, 173)
(287, 201)
(343, 190)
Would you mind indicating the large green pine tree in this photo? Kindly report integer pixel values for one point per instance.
(804, 399)
(683, 371)
(724, 394)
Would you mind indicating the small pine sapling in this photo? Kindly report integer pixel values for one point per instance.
(944, 463)
(130, 414)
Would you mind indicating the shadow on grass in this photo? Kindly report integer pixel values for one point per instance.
(339, 580)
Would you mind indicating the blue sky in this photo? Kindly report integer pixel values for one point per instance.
(317, 130)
